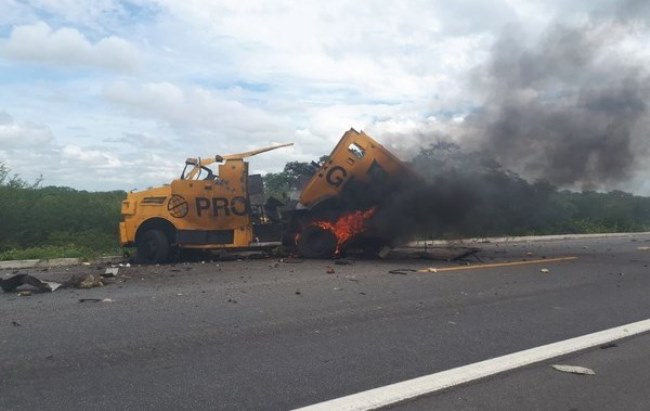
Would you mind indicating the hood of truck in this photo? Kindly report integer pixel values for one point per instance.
(156, 196)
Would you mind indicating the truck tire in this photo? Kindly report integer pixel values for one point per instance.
(315, 242)
(153, 247)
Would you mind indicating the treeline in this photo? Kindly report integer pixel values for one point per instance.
(497, 201)
(45, 222)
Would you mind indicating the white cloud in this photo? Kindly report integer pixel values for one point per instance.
(206, 112)
(25, 135)
(219, 76)
(66, 46)
(89, 157)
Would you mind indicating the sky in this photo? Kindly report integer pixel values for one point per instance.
(115, 94)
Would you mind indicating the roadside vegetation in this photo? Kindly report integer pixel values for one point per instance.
(50, 222)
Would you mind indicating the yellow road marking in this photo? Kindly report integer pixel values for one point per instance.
(494, 265)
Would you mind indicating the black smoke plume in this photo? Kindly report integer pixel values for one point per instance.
(571, 109)
(568, 110)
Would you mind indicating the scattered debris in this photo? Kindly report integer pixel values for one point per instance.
(110, 272)
(96, 300)
(86, 263)
(573, 369)
(469, 252)
(608, 345)
(446, 253)
(298, 292)
(230, 300)
(292, 260)
(90, 281)
(384, 252)
(24, 294)
(643, 248)
(330, 270)
(545, 270)
(12, 283)
(90, 300)
(402, 271)
(362, 293)
(15, 323)
(180, 294)
(343, 261)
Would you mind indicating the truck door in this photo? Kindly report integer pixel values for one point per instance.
(217, 209)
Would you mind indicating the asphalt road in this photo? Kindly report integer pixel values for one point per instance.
(271, 335)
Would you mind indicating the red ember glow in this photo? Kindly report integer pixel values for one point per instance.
(347, 226)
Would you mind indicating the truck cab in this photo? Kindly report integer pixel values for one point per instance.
(200, 210)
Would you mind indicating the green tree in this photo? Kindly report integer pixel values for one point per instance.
(279, 185)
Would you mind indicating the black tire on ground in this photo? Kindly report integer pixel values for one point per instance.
(315, 242)
(153, 247)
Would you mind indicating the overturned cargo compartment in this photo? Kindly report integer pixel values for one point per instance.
(337, 205)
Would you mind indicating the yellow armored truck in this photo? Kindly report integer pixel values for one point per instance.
(204, 209)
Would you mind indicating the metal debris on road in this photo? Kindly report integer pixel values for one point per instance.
(292, 260)
(12, 283)
(402, 271)
(111, 272)
(90, 300)
(573, 369)
(343, 261)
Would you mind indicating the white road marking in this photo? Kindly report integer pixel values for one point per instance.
(409, 389)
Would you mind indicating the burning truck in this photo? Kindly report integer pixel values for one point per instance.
(336, 207)
(208, 210)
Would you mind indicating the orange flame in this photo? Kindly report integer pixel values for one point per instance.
(347, 226)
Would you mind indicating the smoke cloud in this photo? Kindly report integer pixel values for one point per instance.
(566, 109)
(571, 109)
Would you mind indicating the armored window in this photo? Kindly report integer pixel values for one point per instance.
(356, 149)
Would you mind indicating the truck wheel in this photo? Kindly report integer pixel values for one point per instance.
(315, 242)
(153, 247)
